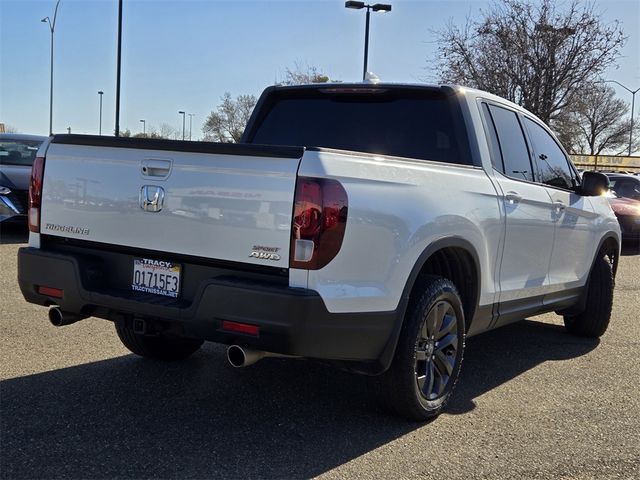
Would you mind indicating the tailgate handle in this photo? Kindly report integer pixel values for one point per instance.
(156, 168)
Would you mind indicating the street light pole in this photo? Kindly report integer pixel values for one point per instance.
(144, 128)
(118, 68)
(633, 103)
(366, 44)
(183, 118)
(100, 92)
(190, 120)
(377, 7)
(52, 27)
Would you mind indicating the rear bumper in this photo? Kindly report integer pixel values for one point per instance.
(291, 321)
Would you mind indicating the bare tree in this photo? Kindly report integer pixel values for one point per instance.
(303, 74)
(568, 131)
(167, 131)
(537, 54)
(228, 121)
(598, 122)
(8, 128)
(152, 133)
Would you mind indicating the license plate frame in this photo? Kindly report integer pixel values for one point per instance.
(158, 277)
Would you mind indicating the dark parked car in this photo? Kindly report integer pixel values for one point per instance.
(624, 197)
(626, 186)
(17, 153)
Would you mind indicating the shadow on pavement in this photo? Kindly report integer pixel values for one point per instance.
(13, 233)
(496, 357)
(131, 418)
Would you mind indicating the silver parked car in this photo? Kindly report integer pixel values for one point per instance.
(17, 153)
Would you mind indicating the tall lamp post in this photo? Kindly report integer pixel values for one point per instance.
(190, 122)
(633, 103)
(118, 69)
(100, 92)
(144, 128)
(52, 27)
(183, 117)
(377, 7)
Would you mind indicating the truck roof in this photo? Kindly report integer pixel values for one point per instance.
(445, 88)
(22, 136)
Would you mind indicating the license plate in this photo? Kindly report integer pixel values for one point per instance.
(156, 276)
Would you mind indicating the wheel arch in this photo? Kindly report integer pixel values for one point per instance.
(609, 244)
(454, 258)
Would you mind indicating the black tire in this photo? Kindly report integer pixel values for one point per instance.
(403, 389)
(594, 320)
(157, 347)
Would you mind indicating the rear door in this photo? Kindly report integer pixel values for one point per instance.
(225, 202)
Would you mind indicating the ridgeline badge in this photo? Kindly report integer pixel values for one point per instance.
(54, 227)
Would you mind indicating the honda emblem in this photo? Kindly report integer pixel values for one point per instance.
(151, 198)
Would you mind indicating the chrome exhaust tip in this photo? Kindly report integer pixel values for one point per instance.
(239, 357)
(58, 318)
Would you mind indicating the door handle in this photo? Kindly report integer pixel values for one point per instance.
(512, 198)
(559, 207)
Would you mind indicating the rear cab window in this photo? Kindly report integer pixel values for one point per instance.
(420, 123)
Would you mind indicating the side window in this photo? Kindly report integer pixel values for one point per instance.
(515, 155)
(552, 163)
(494, 146)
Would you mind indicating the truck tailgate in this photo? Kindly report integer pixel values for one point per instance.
(226, 202)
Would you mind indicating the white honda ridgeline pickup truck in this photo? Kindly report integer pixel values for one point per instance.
(370, 226)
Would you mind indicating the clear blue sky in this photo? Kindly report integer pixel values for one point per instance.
(184, 54)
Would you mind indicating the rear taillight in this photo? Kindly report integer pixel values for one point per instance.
(35, 194)
(319, 221)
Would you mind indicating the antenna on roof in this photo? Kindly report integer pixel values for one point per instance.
(371, 77)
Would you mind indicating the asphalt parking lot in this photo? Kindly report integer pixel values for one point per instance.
(533, 402)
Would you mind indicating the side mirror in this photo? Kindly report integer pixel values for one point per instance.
(594, 184)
